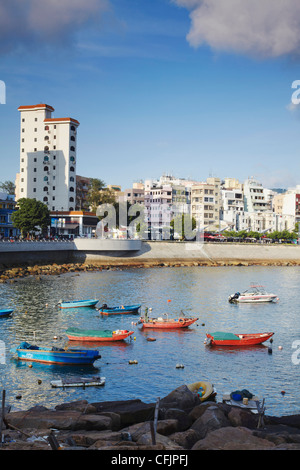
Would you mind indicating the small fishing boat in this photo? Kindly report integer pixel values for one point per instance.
(5, 312)
(203, 389)
(121, 309)
(78, 303)
(220, 338)
(78, 382)
(97, 335)
(254, 294)
(28, 352)
(167, 323)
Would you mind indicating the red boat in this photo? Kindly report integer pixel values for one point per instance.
(97, 335)
(220, 338)
(167, 323)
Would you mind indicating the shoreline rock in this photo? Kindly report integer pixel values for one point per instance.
(184, 424)
(12, 274)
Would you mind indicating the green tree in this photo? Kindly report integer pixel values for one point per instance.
(31, 216)
(8, 187)
(98, 194)
(184, 224)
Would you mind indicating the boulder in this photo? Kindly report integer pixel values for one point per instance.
(293, 421)
(88, 438)
(242, 417)
(81, 405)
(233, 438)
(213, 418)
(181, 398)
(146, 440)
(199, 410)
(58, 419)
(185, 439)
(97, 422)
(33, 419)
(183, 419)
(130, 411)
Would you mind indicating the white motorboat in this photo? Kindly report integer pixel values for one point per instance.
(254, 294)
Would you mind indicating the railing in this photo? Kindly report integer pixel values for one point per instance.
(42, 240)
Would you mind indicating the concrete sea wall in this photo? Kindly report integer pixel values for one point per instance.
(142, 253)
(208, 253)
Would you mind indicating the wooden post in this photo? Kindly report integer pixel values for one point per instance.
(2, 416)
(153, 424)
(261, 412)
(53, 442)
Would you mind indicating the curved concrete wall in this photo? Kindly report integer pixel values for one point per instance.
(137, 252)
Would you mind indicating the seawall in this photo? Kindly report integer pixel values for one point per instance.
(143, 253)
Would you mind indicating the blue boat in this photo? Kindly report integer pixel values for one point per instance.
(105, 310)
(79, 303)
(5, 312)
(32, 353)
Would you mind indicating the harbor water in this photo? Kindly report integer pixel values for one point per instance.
(272, 374)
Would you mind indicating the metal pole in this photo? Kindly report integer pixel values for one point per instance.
(2, 416)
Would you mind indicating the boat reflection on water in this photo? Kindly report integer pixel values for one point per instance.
(114, 344)
(237, 349)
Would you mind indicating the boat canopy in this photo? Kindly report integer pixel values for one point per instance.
(223, 336)
(101, 333)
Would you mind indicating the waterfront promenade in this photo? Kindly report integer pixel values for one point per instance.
(145, 253)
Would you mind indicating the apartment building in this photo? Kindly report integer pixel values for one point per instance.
(291, 203)
(158, 204)
(206, 204)
(232, 207)
(136, 194)
(7, 208)
(254, 196)
(47, 157)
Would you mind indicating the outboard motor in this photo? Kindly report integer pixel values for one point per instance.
(234, 297)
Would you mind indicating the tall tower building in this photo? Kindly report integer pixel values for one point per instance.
(47, 158)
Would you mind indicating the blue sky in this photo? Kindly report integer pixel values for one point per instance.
(158, 86)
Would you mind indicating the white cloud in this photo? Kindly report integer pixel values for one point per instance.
(264, 28)
(35, 21)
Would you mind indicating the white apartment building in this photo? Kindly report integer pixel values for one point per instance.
(158, 204)
(232, 207)
(47, 158)
(255, 196)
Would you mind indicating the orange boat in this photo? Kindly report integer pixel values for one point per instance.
(220, 338)
(168, 323)
(97, 335)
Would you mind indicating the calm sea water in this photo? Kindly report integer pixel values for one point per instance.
(196, 291)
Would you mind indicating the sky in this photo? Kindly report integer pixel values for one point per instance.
(191, 88)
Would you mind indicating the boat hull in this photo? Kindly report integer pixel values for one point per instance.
(95, 335)
(5, 312)
(256, 299)
(242, 339)
(123, 309)
(79, 303)
(168, 324)
(79, 382)
(69, 357)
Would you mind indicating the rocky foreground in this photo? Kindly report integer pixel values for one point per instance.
(183, 424)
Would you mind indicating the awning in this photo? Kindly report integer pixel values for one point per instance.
(68, 226)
